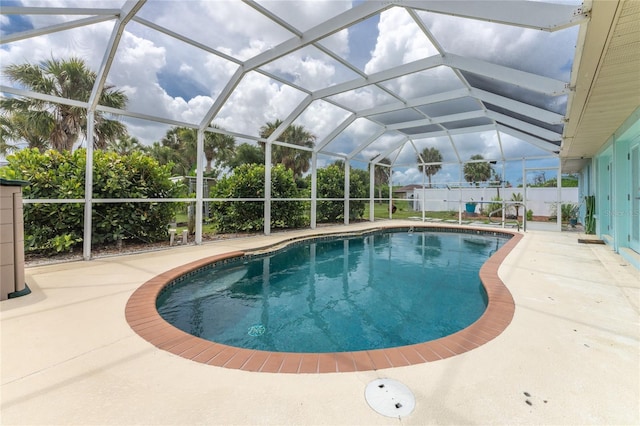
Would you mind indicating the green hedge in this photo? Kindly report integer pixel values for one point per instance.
(247, 181)
(55, 175)
(331, 185)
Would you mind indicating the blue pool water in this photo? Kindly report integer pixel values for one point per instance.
(369, 292)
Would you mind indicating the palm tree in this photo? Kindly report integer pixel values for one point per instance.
(246, 154)
(295, 159)
(478, 171)
(429, 155)
(182, 141)
(125, 145)
(26, 127)
(517, 197)
(381, 175)
(498, 182)
(166, 155)
(218, 147)
(70, 79)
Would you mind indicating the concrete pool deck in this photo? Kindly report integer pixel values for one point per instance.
(571, 354)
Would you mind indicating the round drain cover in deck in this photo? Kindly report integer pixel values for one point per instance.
(390, 398)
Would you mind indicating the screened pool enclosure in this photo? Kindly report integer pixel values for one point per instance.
(375, 82)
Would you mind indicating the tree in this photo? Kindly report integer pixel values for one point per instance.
(246, 154)
(331, 185)
(517, 198)
(294, 159)
(497, 179)
(21, 127)
(247, 181)
(59, 175)
(381, 175)
(218, 148)
(478, 171)
(429, 155)
(125, 145)
(177, 148)
(165, 155)
(69, 79)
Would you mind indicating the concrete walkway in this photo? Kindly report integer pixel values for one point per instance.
(570, 356)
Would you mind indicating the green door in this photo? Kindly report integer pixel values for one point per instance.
(634, 217)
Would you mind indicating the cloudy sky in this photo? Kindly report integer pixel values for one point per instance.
(167, 78)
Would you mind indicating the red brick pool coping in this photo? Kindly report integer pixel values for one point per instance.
(143, 318)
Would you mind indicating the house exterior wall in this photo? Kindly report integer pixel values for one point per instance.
(613, 176)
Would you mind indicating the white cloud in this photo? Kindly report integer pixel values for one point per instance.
(4, 21)
(144, 54)
(520, 48)
(400, 41)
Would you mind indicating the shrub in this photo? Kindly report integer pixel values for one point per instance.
(495, 207)
(247, 181)
(569, 211)
(60, 175)
(331, 185)
(529, 214)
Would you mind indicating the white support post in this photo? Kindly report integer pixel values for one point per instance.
(524, 194)
(88, 188)
(504, 205)
(460, 175)
(199, 185)
(314, 189)
(267, 188)
(390, 192)
(347, 168)
(424, 196)
(372, 190)
(559, 201)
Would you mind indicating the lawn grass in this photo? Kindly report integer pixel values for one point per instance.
(381, 211)
(404, 211)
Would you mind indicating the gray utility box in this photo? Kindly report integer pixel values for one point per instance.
(12, 283)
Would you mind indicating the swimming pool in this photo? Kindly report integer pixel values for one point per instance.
(142, 316)
(381, 290)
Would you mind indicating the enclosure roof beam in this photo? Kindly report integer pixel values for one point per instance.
(437, 120)
(18, 10)
(526, 14)
(465, 130)
(331, 136)
(525, 127)
(354, 15)
(481, 95)
(222, 97)
(388, 152)
(542, 144)
(366, 143)
(43, 97)
(415, 102)
(518, 107)
(528, 80)
(184, 39)
(395, 72)
(129, 9)
(54, 28)
(289, 120)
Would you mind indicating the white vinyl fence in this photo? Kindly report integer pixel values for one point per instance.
(540, 200)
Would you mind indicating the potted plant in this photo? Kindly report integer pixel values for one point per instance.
(517, 198)
(470, 207)
(573, 216)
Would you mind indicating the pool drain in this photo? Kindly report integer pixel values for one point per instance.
(256, 330)
(389, 398)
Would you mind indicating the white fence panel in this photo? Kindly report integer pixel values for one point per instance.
(539, 200)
